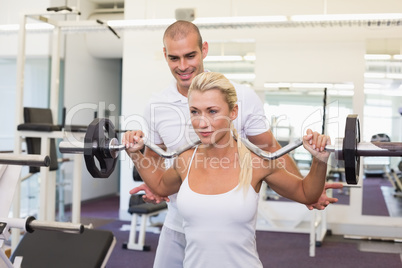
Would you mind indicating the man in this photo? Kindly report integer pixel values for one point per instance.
(170, 128)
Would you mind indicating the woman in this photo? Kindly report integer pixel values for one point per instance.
(218, 182)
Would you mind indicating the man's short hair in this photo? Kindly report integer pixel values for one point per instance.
(180, 29)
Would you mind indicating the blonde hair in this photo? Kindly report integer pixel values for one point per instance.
(210, 80)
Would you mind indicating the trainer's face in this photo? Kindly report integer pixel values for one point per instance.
(210, 116)
(185, 59)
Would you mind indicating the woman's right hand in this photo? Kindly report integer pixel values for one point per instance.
(315, 143)
(133, 140)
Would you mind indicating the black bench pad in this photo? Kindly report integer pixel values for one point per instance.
(64, 250)
(146, 208)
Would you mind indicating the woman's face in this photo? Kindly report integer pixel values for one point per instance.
(210, 116)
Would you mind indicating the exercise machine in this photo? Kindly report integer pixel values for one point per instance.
(46, 243)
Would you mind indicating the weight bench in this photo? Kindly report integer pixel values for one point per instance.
(42, 248)
(137, 207)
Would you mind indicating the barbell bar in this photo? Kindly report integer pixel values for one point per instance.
(101, 147)
(25, 160)
(30, 224)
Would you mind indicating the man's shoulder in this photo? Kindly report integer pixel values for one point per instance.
(162, 96)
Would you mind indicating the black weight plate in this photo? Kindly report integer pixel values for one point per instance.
(98, 134)
(350, 141)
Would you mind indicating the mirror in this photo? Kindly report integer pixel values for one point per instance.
(383, 122)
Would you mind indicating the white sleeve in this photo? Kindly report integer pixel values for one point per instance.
(251, 112)
(152, 131)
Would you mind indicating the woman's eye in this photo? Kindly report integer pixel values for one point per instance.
(193, 112)
(213, 111)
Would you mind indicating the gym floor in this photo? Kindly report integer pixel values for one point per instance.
(276, 249)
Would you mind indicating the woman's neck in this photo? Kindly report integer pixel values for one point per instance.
(224, 148)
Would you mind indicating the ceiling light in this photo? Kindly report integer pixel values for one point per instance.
(374, 75)
(241, 20)
(249, 58)
(277, 85)
(39, 26)
(9, 27)
(397, 57)
(312, 85)
(377, 57)
(224, 58)
(134, 23)
(372, 85)
(346, 92)
(336, 87)
(28, 26)
(390, 93)
(240, 76)
(345, 17)
(394, 76)
(344, 86)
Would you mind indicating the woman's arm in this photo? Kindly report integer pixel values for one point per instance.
(162, 183)
(309, 189)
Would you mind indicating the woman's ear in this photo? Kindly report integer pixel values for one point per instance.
(234, 112)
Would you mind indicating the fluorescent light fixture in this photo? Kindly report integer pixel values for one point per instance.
(249, 58)
(372, 85)
(242, 20)
(39, 26)
(9, 27)
(345, 17)
(377, 57)
(336, 87)
(224, 58)
(150, 22)
(230, 58)
(344, 86)
(370, 91)
(346, 92)
(240, 76)
(397, 57)
(333, 92)
(211, 20)
(390, 93)
(28, 26)
(312, 85)
(383, 75)
(374, 75)
(277, 85)
(394, 75)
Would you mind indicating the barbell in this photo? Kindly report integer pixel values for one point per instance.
(101, 148)
(30, 224)
(25, 160)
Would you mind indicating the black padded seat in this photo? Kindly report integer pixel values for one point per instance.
(42, 249)
(146, 208)
(40, 119)
(43, 127)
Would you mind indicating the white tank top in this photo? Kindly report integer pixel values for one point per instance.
(219, 229)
